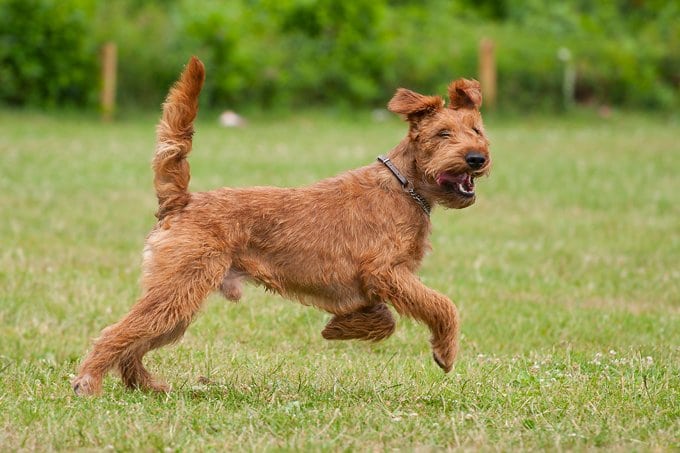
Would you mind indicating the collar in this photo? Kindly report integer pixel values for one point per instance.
(406, 184)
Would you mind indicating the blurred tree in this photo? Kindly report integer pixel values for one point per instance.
(492, 9)
(290, 53)
(46, 57)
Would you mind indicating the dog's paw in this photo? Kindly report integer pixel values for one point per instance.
(86, 385)
(157, 387)
(441, 364)
(444, 353)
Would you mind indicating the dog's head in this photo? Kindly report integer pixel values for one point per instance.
(449, 146)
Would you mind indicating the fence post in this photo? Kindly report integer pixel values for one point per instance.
(108, 93)
(569, 78)
(487, 72)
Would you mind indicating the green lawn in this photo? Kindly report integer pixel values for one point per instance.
(566, 273)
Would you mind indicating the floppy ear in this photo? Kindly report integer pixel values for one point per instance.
(465, 94)
(412, 105)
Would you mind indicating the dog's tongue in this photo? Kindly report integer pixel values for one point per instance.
(463, 179)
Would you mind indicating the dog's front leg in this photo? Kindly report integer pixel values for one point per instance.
(410, 297)
(372, 322)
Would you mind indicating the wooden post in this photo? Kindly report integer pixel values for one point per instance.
(569, 78)
(487, 72)
(108, 94)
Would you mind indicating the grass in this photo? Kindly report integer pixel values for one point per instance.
(565, 272)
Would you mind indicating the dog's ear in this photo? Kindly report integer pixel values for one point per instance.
(413, 105)
(465, 94)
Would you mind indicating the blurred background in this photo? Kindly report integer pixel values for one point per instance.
(285, 54)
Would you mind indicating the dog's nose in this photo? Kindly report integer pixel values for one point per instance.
(475, 159)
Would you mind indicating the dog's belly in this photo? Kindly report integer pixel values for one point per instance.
(325, 288)
(332, 298)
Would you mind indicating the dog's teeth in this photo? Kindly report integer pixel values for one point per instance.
(462, 189)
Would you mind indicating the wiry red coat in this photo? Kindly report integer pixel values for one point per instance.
(348, 245)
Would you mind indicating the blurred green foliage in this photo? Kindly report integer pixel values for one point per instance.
(44, 56)
(290, 53)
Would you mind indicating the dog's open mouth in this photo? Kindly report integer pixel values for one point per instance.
(462, 184)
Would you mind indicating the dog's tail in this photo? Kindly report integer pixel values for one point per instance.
(175, 132)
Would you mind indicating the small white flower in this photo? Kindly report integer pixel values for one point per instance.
(597, 359)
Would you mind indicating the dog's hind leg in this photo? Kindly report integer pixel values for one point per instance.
(373, 322)
(160, 316)
(135, 375)
(131, 368)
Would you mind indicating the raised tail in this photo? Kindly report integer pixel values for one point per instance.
(175, 132)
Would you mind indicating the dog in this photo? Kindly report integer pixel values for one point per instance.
(349, 245)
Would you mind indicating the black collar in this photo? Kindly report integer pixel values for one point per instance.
(406, 184)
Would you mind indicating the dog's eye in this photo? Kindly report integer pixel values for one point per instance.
(445, 133)
(477, 131)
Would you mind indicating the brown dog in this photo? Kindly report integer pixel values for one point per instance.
(348, 245)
